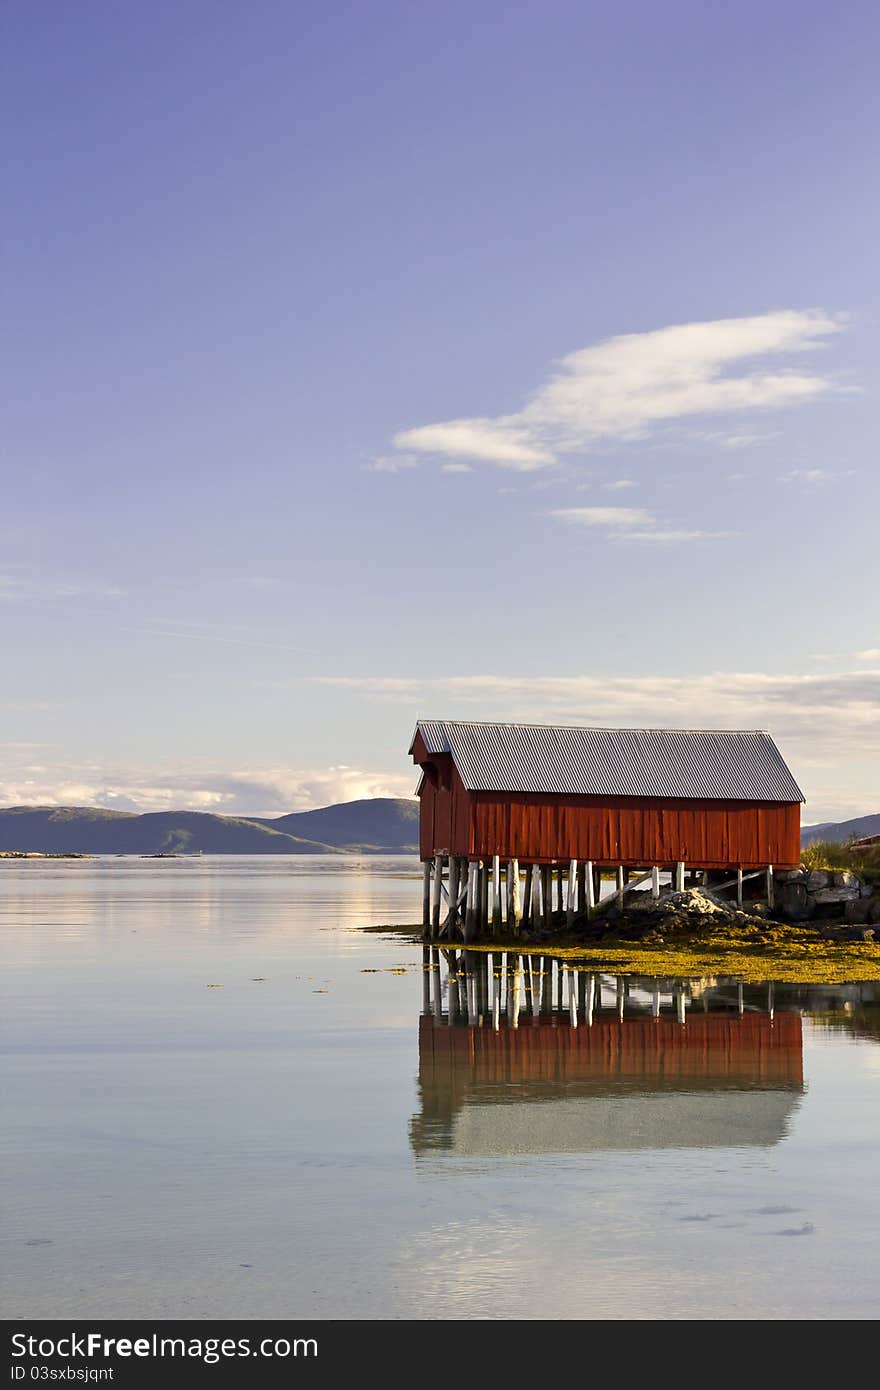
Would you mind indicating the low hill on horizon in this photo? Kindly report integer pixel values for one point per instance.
(381, 825)
(841, 831)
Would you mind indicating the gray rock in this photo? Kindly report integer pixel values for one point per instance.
(825, 896)
(818, 878)
(858, 911)
(845, 878)
(790, 875)
(795, 902)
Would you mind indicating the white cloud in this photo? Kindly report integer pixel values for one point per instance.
(619, 485)
(456, 468)
(827, 725)
(391, 463)
(243, 791)
(672, 537)
(814, 475)
(625, 388)
(608, 517)
(632, 524)
(869, 654)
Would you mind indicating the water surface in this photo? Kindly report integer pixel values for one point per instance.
(222, 1098)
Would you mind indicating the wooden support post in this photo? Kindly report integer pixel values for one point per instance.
(560, 890)
(547, 894)
(436, 896)
(739, 887)
(679, 876)
(527, 896)
(484, 896)
(770, 899)
(590, 1000)
(537, 912)
(621, 884)
(582, 888)
(655, 882)
(571, 905)
(496, 895)
(470, 916)
(573, 996)
(590, 899)
(597, 885)
(680, 1006)
(621, 997)
(452, 916)
(513, 906)
(655, 1001)
(426, 896)
(740, 1003)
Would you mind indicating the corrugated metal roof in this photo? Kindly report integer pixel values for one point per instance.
(714, 764)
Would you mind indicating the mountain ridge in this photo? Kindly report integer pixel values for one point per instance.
(381, 825)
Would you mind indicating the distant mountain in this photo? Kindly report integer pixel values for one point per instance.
(839, 831)
(383, 825)
(379, 823)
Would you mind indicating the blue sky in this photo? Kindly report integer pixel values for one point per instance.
(481, 360)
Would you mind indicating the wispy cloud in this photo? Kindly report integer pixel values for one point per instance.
(625, 388)
(828, 723)
(391, 463)
(631, 524)
(869, 654)
(456, 468)
(815, 476)
(25, 585)
(608, 517)
(620, 485)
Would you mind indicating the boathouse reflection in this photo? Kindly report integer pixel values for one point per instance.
(523, 1054)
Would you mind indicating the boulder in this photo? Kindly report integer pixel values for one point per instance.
(845, 878)
(795, 902)
(790, 875)
(858, 911)
(818, 878)
(825, 896)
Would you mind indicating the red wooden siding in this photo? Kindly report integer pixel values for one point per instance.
(445, 821)
(633, 830)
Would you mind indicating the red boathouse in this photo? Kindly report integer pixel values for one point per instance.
(680, 799)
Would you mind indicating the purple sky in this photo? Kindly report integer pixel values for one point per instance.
(290, 454)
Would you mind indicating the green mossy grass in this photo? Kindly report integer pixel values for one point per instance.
(788, 954)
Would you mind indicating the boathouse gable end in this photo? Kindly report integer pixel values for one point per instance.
(711, 799)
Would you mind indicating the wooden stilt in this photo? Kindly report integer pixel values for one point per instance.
(527, 896)
(426, 896)
(547, 894)
(590, 881)
(560, 890)
(590, 1001)
(470, 916)
(621, 884)
(537, 913)
(452, 916)
(679, 876)
(484, 897)
(740, 1004)
(621, 997)
(770, 897)
(571, 905)
(655, 882)
(739, 887)
(655, 1001)
(436, 895)
(496, 895)
(582, 888)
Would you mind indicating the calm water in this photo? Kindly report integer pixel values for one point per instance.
(223, 1099)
